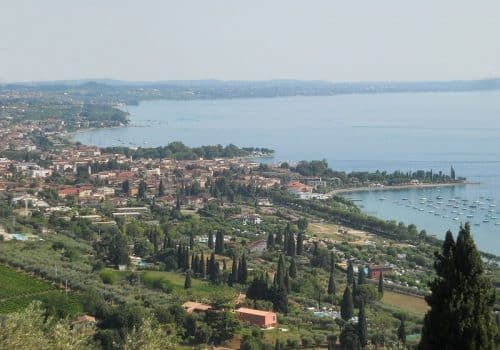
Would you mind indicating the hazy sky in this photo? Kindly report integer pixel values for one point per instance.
(252, 40)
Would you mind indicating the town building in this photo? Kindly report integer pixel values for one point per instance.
(259, 318)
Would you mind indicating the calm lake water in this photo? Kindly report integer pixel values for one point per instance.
(354, 132)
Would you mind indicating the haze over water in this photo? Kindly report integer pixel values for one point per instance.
(407, 131)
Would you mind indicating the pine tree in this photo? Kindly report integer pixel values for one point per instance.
(300, 243)
(461, 300)
(187, 281)
(350, 273)
(292, 270)
(381, 285)
(347, 307)
(257, 290)
(362, 326)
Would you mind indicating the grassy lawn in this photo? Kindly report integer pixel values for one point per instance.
(404, 302)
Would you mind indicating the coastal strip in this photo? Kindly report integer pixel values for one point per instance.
(397, 187)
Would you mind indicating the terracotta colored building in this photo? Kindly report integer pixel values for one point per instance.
(264, 319)
(375, 271)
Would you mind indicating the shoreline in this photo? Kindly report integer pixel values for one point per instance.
(397, 187)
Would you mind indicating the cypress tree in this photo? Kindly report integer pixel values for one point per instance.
(290, 244)
(242, 270)
(401, 333)
(212, 269)
(461, 300)
(287, 282)
(355, 296)
(196, 265)
(207, 268)
(361, 275)
(362, 326)
(210, 240)
(300, 243)
(381, 285)
(187, 281)
(279, 278)
(279, 298)
(331, 287)
(332, 262)
(179, 256)
(233, 276)
(219, 242)
(292, 270)
(285, 243)
(350, 273)
(218, 273)
(191, 241)
(347, 307)
(202, 266)
(161, 189)
(270, 241)
(186, 258)
(279, 238)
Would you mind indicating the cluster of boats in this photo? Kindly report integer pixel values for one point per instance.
(481, 211)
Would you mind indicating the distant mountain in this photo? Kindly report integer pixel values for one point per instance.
(106, 91)
(375, 86)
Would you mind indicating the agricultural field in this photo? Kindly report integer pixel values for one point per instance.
(16, 284)
(409, 303)
(18, 290)
(170, 283)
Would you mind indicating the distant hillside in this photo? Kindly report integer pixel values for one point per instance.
(116, 91)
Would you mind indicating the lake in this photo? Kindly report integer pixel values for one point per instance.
(406, 131)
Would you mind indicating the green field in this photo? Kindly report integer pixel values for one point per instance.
(18, 290)
(17, 284)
